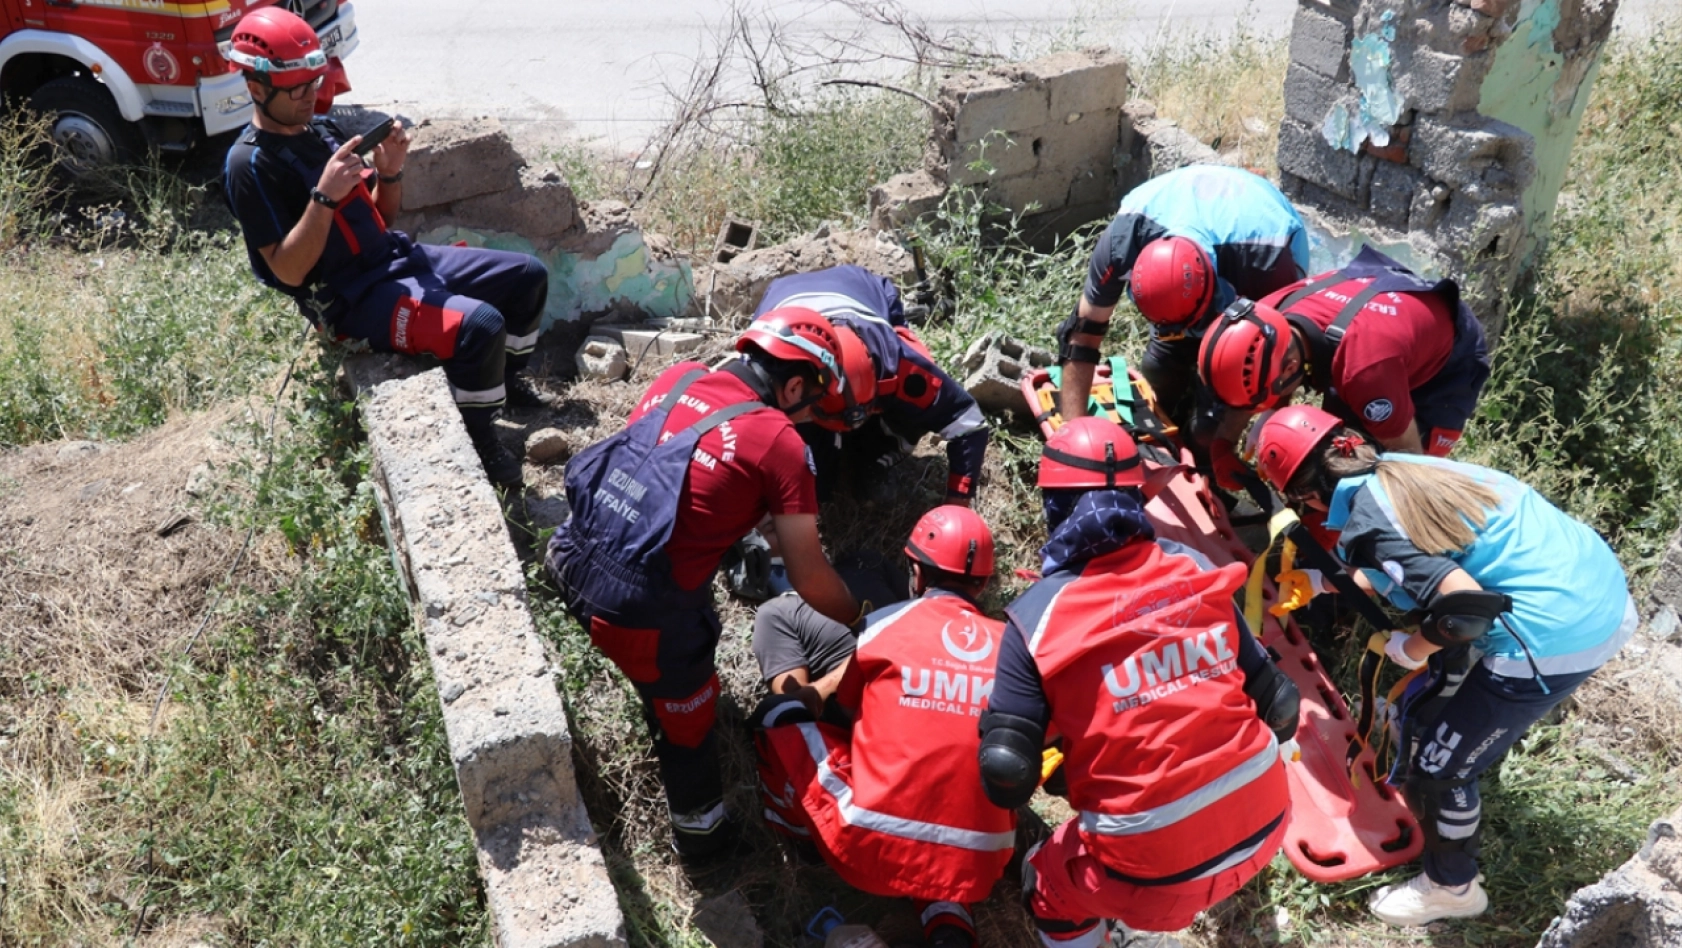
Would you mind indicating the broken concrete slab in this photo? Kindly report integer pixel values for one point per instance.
(452, 160)
(904, 198)
(540, 208)
(1636, 904)
(546, 884)
(994, 366)
(602, 357)
(733, 290)
(727, 921)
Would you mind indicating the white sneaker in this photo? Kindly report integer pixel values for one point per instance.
(1419, 901)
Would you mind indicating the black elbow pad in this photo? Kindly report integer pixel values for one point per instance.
(1458, 618)
(1010, 756)
(1277, 700)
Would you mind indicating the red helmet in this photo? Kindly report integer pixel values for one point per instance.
(797, 334)
(277, 47)
(848, 408)
(1172, 282)
(1244, 354)
(1090, 452)
(1288, 437)
(954, 539)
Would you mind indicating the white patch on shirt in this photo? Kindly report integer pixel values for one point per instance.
(1378, 410)
(1393, 570)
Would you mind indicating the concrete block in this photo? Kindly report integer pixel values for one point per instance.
(642, 342)
(1081, 81)
(541, 208)
(1309, 96)
(553, 446)
(1089, 141)
(903, 198)
(453, 160)
(1393, 190)
(1320, 41)
(1635, 904)
(982, 102)
(602, 357)
(994, 367)
(1094, 186)
(996, 155)
(546, 884)
(1302, 152)
(1430, 81)
(1488, 159)
(1047, 190)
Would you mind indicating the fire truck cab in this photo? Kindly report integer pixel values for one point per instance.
(120, 76)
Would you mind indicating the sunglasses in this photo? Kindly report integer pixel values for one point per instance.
(302, 90)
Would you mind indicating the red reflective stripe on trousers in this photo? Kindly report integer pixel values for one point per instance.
(418, 326)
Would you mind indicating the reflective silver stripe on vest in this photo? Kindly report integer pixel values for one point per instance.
(1045, 617)
(876, 628)
(771, 816)
(1129, 824)
(1572, 662)
(890, 825)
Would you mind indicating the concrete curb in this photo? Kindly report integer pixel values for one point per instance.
(545, 880)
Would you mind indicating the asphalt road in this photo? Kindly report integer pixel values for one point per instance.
(599, 69)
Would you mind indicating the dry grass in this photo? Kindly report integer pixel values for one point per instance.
(1228, 91)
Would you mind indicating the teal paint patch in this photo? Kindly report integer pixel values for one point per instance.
(626, 275)
(1537, 88)
(1378, 106)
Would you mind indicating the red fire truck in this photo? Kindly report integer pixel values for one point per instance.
(119, 76)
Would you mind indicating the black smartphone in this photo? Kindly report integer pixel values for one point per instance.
(373, 136)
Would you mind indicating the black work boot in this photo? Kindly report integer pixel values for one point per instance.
(523, 394)
(502, 467)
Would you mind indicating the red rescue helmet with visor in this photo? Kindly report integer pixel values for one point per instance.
(848, 409)
(797, 334)
(954, 539)
(1244, 355)
(1287, 439)
(275, 47)
(1172, 283)
(1090, 452)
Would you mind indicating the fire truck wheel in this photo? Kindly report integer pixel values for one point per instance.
(87, 129)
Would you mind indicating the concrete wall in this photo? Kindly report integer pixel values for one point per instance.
(1035, 138)
(1450, 122)
(545, 880)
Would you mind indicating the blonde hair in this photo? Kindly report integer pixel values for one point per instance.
(1440, 509)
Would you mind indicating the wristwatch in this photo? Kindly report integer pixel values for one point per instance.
(392, 178)
(320, 197)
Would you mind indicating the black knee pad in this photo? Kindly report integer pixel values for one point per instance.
(479, 344)
(1421, 794)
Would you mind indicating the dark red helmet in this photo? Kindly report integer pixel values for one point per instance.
(954, 539)
(848, 409)
(1244, 354)
(1172, 282)
(797, 334)
(1288, 437)
(1090, 452)
(277, 48)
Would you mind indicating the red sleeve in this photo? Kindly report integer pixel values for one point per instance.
(790, 486)
(1373, 382)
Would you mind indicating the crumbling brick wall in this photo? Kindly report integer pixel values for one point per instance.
(1448, 121)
